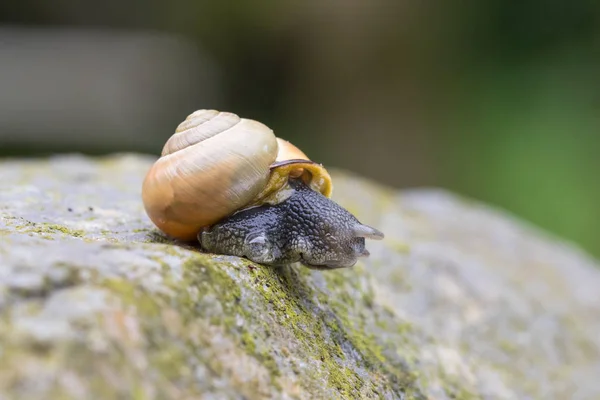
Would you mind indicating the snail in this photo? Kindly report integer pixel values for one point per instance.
(236, 188)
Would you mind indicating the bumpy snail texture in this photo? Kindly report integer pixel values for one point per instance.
(240, 190)
(307, 228)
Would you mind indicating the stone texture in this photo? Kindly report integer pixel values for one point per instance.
(459, 301)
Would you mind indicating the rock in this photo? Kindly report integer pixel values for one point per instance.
(459, 301)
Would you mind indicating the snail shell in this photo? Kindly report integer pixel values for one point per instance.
(216, 164)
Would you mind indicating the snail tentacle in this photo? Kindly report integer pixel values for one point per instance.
(368, 232)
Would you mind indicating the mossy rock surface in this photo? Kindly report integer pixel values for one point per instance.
(459, 301)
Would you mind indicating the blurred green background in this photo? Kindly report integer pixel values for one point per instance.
(498, 100)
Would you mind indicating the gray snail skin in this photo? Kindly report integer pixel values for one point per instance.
(239, 190)
(307, 227)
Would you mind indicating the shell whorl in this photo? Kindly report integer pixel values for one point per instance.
(199, 126)
(213, 164)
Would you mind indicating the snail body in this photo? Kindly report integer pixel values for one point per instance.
(230, 183)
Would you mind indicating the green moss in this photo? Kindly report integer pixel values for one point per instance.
(167, 348)
(131, 294)
(455, 389)
(379, 356)
(248, 342)
(400, 247)
(507, 346)
(320, 324)
(65, 230)
(43, 229)
(212, 281)
(156, 237)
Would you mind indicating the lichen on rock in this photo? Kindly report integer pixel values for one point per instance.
(459, 301)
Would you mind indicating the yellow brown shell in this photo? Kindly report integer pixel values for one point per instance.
(216, 164)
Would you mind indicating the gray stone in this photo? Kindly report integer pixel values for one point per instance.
(459, 301)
